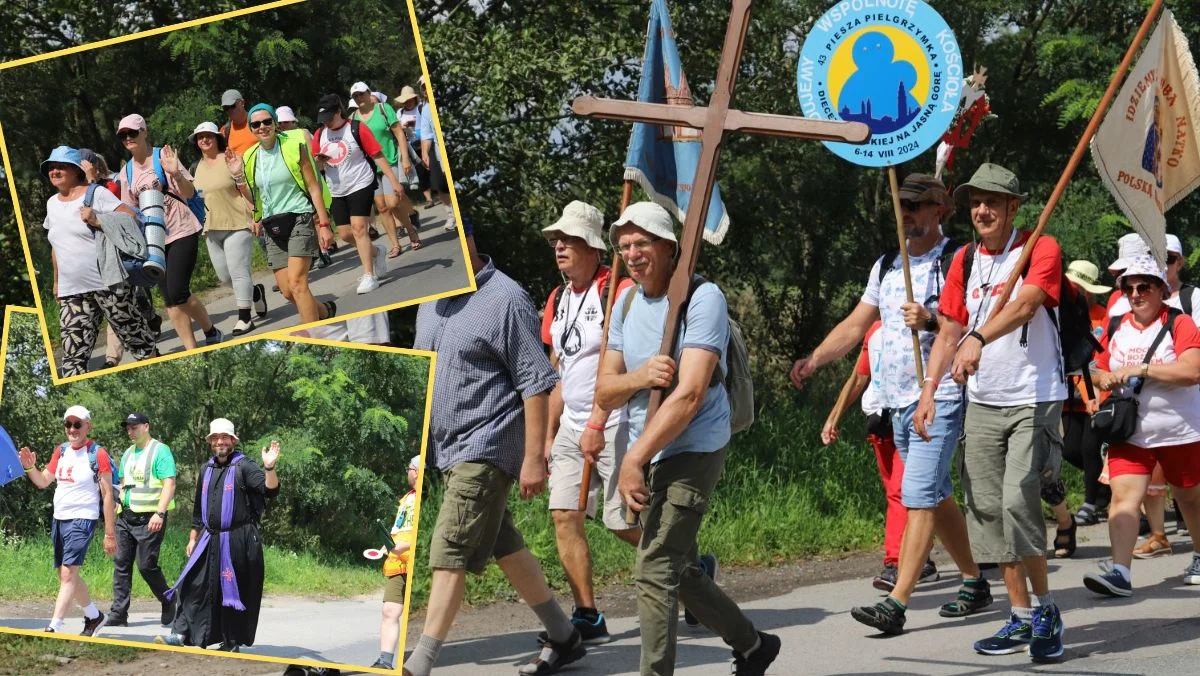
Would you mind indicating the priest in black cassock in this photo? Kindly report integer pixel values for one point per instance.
(220, 590)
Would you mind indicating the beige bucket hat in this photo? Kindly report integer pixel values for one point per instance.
(582, 220)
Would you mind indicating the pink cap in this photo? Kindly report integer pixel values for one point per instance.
(133, 121)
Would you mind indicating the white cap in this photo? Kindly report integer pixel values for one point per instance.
(1129, 247)
(221, 426)
(415, 463)
(285, 114)
(1174, 245)
(204, 128)
(579, 219)
(359, 87)
(78, 412)
(1144, 265)
(648, 216)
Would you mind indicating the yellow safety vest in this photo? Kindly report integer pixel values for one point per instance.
(291, 144)
(402, 531)
(138, 482)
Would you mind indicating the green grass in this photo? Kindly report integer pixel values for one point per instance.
(288, 573)
(24, 655)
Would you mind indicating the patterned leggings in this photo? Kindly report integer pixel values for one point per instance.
(79, 324)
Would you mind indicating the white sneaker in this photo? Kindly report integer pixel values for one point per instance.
(243, 327)
(451, 224)
(367, 283)
(380, 262)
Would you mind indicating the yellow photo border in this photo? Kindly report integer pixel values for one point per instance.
(11, 310)
(37, 298)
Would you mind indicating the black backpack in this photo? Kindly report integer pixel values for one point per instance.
(1073, 322)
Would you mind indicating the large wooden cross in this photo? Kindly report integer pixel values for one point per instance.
(712, 122)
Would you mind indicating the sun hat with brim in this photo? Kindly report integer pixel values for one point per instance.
(990, 178)
(1084, 274)
(407, 94)
(648, 216)
(63, 155)
(1144, 266)
(1129, 247)
(1174, 245)
(221, 426)
(582, 220)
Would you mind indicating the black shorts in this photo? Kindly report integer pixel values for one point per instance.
(175, 284)
(357, 203)
(437, 177)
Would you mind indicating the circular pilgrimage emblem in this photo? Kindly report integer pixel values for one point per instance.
(892, 64)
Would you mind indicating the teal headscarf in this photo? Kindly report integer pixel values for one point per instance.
(264, 106)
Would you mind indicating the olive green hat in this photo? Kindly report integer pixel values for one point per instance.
(990, 178)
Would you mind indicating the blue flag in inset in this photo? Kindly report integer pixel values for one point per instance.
(10, 462)
(663, 159)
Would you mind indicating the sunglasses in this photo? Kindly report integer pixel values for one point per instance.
(78, 424)
(126, 134)
(261, 123)
(910, 205)
(1172, 259)
(1139, 288)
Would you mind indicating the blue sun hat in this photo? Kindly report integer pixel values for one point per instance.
(64, 155)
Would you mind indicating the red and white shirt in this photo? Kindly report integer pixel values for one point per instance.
(349, 167)
(1168, 415)
(867, 364)
(573, 327)
(76, 495)
(1010, 374)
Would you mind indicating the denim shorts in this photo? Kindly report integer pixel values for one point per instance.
(71, 539)
(927, 463)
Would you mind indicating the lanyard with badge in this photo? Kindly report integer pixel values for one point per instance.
(985, 288)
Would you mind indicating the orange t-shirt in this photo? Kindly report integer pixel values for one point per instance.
(239, 138)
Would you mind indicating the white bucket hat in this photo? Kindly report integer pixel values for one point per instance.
(1144, 265)
(285, 114)
(221, 426)
(204, 128)
(648, 216)
(1129, 247)
(1174, 245)
(78, 412)
(1085, 274)
(582, 220)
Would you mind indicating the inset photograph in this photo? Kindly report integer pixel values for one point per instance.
(259, 501)
(226, 180)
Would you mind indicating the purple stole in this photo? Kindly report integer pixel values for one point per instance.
(229, 589)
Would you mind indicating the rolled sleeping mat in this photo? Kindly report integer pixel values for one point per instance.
(151, 204)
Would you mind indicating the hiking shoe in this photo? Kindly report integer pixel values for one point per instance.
(242, 327)
(757, 662)
(885, 581)
(1109, 583)
(929, 572)
(170, 639)
(367, 283)
(229, 647)
(115, 621)
(1046, 640)
(1087, 516)
(1013, 637)
(213, 337)
(260, 300)
(972, 597)
(1153, 547)
(593, 631)
(554, 655)
(708, 565)
(1192, 574)
(886, 616)
(90, 627)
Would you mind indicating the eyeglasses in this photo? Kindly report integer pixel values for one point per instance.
(566, 240)
(126, 134)
(73, 425)
(640, 245)
(261, 123)
(1138, 288)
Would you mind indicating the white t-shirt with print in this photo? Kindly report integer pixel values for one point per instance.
(894, 375)
(575, 332)
(1168, 415)
(74, 242)
(76, 494)
(348, 168)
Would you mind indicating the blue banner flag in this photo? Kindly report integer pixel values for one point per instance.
(10, 463)
(663, 159)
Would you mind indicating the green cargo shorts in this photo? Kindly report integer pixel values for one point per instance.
(393, 591)
(474, 524)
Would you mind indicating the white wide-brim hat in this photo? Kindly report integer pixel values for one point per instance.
(221, 426)
(204, 128)
(1144, 266)
(1085, 274)
(582, 220)
(1129, 247)
(648, 216)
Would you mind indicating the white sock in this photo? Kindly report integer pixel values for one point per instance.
(1046, 600)
(91, 612)
(1023, 614)
(1124, 571)
(56, 624)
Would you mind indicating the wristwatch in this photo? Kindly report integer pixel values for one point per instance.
(1145, 370)
(161, 515)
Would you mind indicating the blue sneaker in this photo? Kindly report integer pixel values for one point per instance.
(1046, 643)
(1012, 638)
(1110, 583)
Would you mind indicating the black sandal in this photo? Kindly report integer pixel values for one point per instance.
(971, 599)
(1064, 541)
(331, 308)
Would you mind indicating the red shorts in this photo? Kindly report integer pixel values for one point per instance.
(1180, 464)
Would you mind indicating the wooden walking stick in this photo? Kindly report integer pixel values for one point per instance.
(908, 291)
(1076, 157)
(613, 280)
